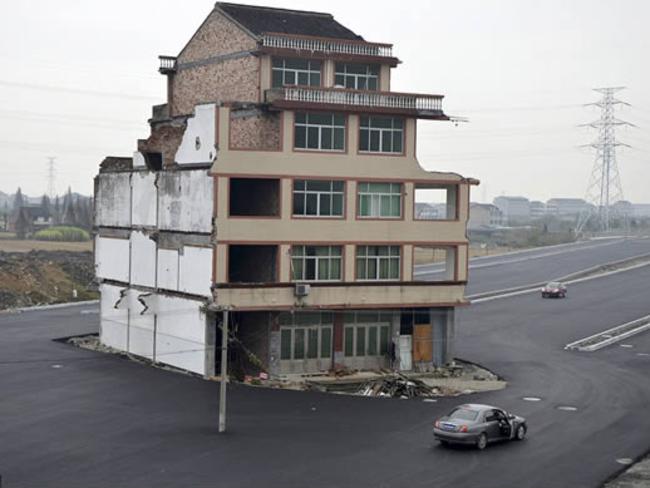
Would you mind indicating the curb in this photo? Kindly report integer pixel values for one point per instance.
(37, 308)
(643, 324)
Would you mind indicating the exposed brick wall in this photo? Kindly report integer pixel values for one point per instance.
(258, 131)
(165, 139)
(217, 35)
(215, 80)
(233, 80)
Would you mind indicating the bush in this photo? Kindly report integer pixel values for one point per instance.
(62, 233)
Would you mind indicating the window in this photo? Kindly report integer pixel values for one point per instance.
(378, 262)
(319, 131)
(305, 335)
(266, 202)
(366, 334)
(381, 200)
(318, 198)
(381, 134)
(357, 76)
(316, 263)
(304, 72)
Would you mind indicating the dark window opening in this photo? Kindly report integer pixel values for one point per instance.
(254, 197)
(153, 160)
(252, 264)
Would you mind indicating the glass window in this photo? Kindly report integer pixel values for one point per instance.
(285, 344)
(379, 200)
(304, 72)
(305, 335)
(378, 262)
(357, 76)
(319, 131)
(349, 341)
(381, 134)
(318, 198)
(326, 343)
(316, 263)
(299, 343)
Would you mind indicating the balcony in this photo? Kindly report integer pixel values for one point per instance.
(167, 64)
(343, 48)
(338, 99)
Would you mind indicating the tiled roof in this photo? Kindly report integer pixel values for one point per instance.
(259, 20)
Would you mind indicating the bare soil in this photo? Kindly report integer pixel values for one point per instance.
(29, 278)
(15, 245)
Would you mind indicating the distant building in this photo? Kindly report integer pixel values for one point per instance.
(484, 215)
(641, 210)
(537, 209)
(516, 210)
(563, 207)
(28, 219)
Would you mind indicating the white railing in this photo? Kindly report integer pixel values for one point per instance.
(340, 46)
(167, 63)
(335, 96)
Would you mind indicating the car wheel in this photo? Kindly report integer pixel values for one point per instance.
(481, 442)
(520, 433)
(443, 443)
(543, 295)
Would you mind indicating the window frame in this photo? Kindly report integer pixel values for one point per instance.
(317, 259)
(320, 127)
(319, 193)
(367, 76)
(382, 338)
(320, 327)
(377, 260)
(296, 71)
(381, 131)
(380, 196)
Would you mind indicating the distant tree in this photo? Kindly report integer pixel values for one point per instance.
(19, 201)
(46, 206)
(69, 217)
(57, 211)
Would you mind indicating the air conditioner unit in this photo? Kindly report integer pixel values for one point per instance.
(302, 289)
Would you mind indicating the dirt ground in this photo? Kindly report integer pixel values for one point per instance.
(7, 244)
(29, 278)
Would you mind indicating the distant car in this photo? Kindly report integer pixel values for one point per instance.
(554, 289)
(479, 425)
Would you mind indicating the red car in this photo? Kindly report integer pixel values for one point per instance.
(554, 289)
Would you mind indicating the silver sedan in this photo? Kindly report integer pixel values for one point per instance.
(479, 425)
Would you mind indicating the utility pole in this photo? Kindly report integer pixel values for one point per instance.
(604, 187)
(224, 371)
(51, 175)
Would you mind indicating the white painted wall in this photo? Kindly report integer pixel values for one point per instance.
(112, 258)
(198, 143)
(180, 333)
(167, 269)
(143, 260)
(113, 200)
(195, 270)
(141, 325)
(138, 160)
(185, 201)
(143, 199)
(113, 329)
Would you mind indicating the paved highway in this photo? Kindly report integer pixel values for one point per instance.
(71, 417)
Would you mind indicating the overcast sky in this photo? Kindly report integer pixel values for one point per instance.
(79, 77)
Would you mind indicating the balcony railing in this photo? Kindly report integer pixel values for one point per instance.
(337, 46)
(167, 64)
(386, 101)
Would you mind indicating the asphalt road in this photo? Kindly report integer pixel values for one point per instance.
(70, 417)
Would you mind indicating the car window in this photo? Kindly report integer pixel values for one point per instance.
(463, 414)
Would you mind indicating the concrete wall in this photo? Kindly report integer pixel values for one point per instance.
(113, 200)
(112, 258)
(165, 329)
(143, 260)
(143, 197)
(198, 144)
(185, 201)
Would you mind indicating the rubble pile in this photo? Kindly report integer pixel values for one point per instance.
(398, 386)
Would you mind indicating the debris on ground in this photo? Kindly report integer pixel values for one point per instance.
(398, 386)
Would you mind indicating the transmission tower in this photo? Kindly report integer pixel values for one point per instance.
(605, 182)
(51, 177)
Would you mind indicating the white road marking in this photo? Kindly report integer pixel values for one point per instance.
(626, 345)
(567, 408)
(625, 461)
(57, 366)
(532, 399)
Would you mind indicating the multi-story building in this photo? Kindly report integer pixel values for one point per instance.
(483, 215)
(279, 182)
(516, 210)
(566, 207)
(537, 209)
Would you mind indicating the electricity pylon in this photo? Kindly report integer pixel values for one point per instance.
(605, 182)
